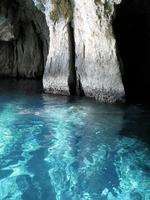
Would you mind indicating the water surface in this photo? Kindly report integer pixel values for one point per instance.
(58, 148)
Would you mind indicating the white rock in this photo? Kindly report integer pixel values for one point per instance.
(56, 73)
(96, 59)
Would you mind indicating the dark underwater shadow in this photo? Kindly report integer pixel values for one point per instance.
(136, 123)
(24, 86)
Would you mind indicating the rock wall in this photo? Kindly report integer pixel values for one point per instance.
(85, 26)
(132, 31)
(57, 71)
(76, 35)
(57, 67)
(6, 29)
(96, 60)
(23, 39)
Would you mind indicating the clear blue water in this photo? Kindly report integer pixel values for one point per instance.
(57, 148)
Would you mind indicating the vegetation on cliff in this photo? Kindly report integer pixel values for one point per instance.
(61, 8)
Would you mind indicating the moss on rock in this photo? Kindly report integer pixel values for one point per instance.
(108, 8)
(98, 1)
(61, 8)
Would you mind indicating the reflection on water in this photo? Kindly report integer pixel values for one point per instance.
(71, 149)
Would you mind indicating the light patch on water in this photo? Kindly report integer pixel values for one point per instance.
(7, 118)
(72, 167)
(91, 161)
(9, 137)
(18, 169)
(132, 170)
(61, 155)
(9, 189)
(52, 149)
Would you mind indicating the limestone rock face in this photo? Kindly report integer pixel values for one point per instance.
(6, 30)
(96, 60)
(93, 60)
(56, 72)
(23, 39)
(71, 42)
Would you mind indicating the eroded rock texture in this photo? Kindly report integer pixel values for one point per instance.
(57, 67)
(23, 39)
(6, 29)
(82, 50)
(96, 60)
(82, 56)
(57, 75)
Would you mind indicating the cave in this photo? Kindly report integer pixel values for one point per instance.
(132, 32)
(24, 40)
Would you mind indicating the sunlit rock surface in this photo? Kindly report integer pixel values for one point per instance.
(71, 149)
(96, 59)
(82, 41)
(56, 74)
(70, 44)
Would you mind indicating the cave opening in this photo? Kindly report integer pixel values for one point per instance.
(132, 32)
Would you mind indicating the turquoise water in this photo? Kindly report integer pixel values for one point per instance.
(71, 149)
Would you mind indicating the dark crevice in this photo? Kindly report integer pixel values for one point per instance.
(80, 91)
(72, 70)
(42, 51)
(118, 53)
(75, 86)
(132, 31)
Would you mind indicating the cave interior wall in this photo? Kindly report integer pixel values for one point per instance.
(24, 49)
(132, 31)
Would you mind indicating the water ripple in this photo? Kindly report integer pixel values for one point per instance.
(53, 148)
